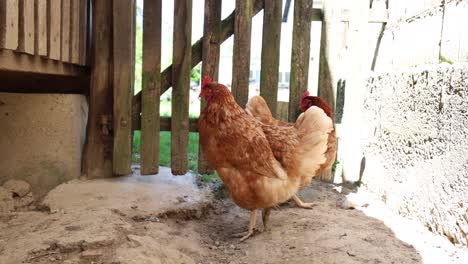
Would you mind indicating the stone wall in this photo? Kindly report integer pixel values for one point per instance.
(41, 138)
(416, 152)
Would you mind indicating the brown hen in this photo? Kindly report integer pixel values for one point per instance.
(261, 165)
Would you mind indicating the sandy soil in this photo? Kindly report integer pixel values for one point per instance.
(158, 219)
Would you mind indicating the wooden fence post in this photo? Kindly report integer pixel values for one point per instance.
(300, 55)
(210, 65)
(98, 148)
(123, 50)
(271, 41)
(151, 90)
(241, 52)
(181, 66)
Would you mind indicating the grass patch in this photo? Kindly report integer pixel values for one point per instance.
(165, 149)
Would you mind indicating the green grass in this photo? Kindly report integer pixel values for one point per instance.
(165, 149)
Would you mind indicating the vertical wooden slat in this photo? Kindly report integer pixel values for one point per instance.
(300, 55)
(26, 26)
(9, 12)
(181, 66)
(272, 18)
(65, 30)
(83, 32)
(75, 31)
(241, 52)
(329, 46)
(99, 143)
(123, 44)
(53, 29)
(151, 87)
(40, 17)
(211, 52)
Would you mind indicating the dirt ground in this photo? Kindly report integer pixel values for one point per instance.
(165, 219)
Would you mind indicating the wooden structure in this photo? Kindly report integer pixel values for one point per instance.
(43, 46)
(47, 41)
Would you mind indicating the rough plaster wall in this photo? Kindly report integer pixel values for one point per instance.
(41, 138)
(417, 155)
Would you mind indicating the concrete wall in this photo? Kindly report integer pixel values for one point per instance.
(416, 152)
(41, 138)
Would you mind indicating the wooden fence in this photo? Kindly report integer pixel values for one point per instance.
(207, 50)
(115, 112)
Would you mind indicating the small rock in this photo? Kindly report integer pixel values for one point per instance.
(134, 207)
(19, 188)
(216, 243)
(232, 246)
(73, 228)
(91, 253)
(354, 200)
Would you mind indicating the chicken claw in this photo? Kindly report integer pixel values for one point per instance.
(250, 232)
(301, 204)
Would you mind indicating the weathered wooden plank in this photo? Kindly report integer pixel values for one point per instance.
(66, 9)
(9, 13)
(123, 44)
(53, 29)
(211, 52)
(99, 143)
(241, 51)
(165, 124)
(227, 29)
(83, 32)
(26, 26)
(40, 18)
(317, 14)
(300, 56)
(151, 87)
(181, 66)
(271, 53)
(14, 61)
(25, 82)
(75, 31)
(282, 111)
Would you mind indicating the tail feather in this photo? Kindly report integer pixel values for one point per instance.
(258, 108)
(314, 127)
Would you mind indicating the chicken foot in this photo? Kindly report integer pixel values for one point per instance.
(301, 204)
(250, 232)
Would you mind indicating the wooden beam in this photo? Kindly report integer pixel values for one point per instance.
(40, 17)
(241, 52)
(227, 29)
(165, 124)
(317, 14)
(210, 65)
(123, 44)
(54, 12)
(99, 142)
(26, 27)
(300, 56)
(66, 8)
(25, 82)
(271, 53)
(151, 87)
(181, 85)
(9, 13)
(375, 15)
(20, 62)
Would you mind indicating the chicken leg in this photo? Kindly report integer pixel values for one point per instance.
(249, 233)
(266, 218)
(301, 204)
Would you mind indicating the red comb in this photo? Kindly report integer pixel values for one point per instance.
(305, 94)
(206, 80)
